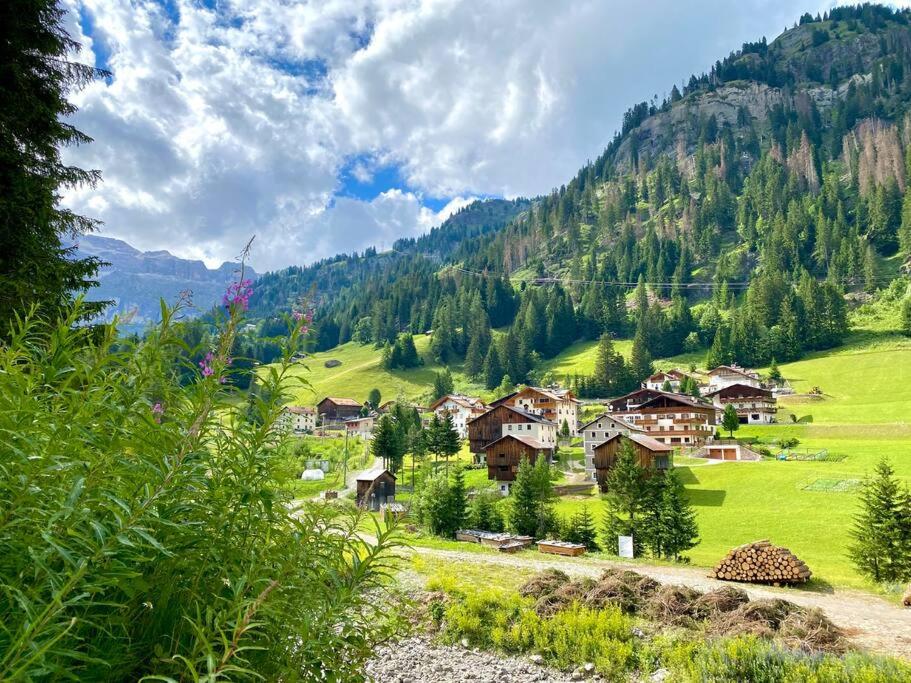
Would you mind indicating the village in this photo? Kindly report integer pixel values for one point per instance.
(673, 413)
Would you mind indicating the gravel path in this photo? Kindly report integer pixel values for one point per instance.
(870, 621)
(418, 660)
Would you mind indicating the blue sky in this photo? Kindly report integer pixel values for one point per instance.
(332, 125)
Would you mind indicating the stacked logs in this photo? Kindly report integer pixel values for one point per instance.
(762, 562)
(906, 601)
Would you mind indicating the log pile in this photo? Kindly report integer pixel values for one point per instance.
(906, 601)
(762, 562)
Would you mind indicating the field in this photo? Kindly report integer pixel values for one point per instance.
(361, 370)
(862, 415)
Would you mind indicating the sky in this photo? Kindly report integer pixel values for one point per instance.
(329, 126)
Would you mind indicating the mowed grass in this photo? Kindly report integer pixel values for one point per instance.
(863, 415)
(579, 359)
(361, 370)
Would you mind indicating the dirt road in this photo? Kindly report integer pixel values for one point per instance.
(870, 621)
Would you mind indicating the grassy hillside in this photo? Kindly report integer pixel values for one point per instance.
(862, 416)
(361, 370)
(579, 359)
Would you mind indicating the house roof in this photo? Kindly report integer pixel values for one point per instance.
(300, 410)
(655, 394)
(531, 417)
(609, 418)
(357, 420)
(743, 390)
(641, 439)
(527, 440)
(731, 368)
(555, 394)
(342, 401)
(464, 401)
(374, 474)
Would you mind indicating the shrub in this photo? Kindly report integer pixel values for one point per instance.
(149, 529)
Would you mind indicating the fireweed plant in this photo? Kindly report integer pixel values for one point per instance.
(147, 529)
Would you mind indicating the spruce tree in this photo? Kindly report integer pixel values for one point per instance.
(882, 529)
(458, 501)
(36, 266)
(374, 398)
(388, 443)
(640, 359)
(442, 384)
(624, 499)
(677, 527)
(582, 530)
(448, 441)
(730, 421)
(484, 513)
(493, 369)
(524, 505)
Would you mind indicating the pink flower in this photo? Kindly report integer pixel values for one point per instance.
(206, 365)
(238, 294)
(158, 409)
(305, 318)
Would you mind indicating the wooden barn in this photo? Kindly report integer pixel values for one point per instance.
(332, 409)
(505, 454)
(375, 488)
(499, 421)
(651, 454)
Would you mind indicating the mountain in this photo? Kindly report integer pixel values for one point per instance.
(742, 215)
(136, 280)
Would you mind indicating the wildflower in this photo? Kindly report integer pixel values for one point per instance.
(238, 295)
(304, 318)
(157, 411)
(226, 581)
(206, 365)
(147, 605)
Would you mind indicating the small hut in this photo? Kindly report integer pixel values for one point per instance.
(651, 454)
(375, 488)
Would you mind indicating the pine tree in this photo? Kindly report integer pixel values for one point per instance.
(458, 500)
(36, 268)
(882, 530)
(442, 384)
(582, 530)
(448, 441)
(730, 421)
(640, 359)
(493, 370)
(523, 509)
(677, 528)
(388, 443)
(774, 372)
(484, 513)
(624, 500)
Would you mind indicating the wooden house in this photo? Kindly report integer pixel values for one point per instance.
(673, 419)
(553, 403)
(650, 453)
(375, 488)
(332, 409)
(596, 432)
(754, 405)
(505, 454)
(504, 419)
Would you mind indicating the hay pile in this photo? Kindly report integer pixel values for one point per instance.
(543, 583)
(720, 601)
(673, 605)
(726, 611)
(624, 589)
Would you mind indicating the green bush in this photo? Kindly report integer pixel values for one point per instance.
(149, 529)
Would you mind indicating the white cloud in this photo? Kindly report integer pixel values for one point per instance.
(219, 125)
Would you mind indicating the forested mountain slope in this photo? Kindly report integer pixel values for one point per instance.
(746, 205)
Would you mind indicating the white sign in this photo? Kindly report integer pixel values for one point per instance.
(625, 544)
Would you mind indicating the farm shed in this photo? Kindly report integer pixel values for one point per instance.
(505, 454)
(375, 488)
(332, 409)
(651, 454)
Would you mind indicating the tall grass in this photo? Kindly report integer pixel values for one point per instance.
(147, 528)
